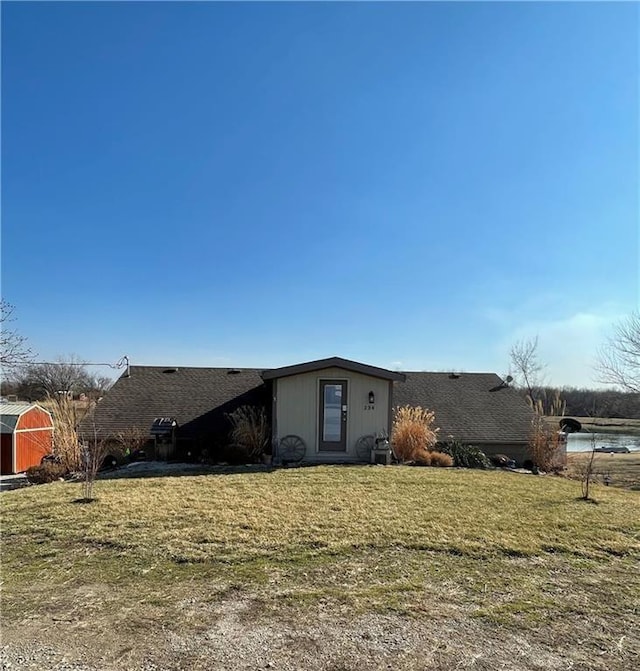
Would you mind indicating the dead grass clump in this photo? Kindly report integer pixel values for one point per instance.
(66, 418)
(546, 445)
(250, 432)
(431, 458)
(414, 433)
(423, 459)
(441, 459)
(554, 405)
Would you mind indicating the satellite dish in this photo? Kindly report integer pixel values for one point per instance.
(570, 425)
(509, 379)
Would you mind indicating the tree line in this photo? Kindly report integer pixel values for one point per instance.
(588, 402)
(67, 377)
(618, 364)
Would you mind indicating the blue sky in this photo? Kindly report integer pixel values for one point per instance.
(411, 185)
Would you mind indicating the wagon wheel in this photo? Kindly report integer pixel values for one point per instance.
(291, 449)
(364, 445)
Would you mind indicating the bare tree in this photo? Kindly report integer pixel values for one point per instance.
(93, 454)
(619, 359)
(584, 470)
(526, 367)
(51, 380)
(14, 350)
(100, 384)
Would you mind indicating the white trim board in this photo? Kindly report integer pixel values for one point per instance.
(42, 428)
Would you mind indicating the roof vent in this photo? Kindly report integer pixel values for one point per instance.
(233, 371)
(454, 376)
(168, 371)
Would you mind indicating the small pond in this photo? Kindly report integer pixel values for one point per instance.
(581, 442)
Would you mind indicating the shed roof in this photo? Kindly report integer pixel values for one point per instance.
(331, 362)
(471, 407)
(11, 412)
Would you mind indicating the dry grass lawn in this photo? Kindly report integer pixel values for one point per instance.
(502, 562)
(622, 470)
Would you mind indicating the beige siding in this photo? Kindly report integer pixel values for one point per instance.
(297, 409)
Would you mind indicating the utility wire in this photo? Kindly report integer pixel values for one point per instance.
(121, 363)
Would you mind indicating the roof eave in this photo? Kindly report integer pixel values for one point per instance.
(332, 362)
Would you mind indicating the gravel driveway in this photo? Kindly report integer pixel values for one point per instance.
(228, 637)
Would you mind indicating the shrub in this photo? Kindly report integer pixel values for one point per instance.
(129, 442)
(441, 459)
(465, 456)
(545, 445)
(250, 433)
(423, 458)
(46, 472)
(413, 433)
(66, 418)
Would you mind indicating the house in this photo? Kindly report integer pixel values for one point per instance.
(326, 411)
(27, 436)
(474, 408)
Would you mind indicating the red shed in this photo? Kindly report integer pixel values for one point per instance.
(27, 435)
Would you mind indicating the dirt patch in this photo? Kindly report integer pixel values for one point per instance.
(235, 634)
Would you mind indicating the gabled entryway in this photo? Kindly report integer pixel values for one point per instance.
(325, 407)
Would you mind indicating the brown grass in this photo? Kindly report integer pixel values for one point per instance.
(545, 445)
(622, 470)
(250, 431)
(67, 415)
(440, 459)
(521, 555)
(413, 433)
(432, 458)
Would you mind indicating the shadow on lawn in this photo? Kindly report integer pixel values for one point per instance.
(158, 469)
(153, 469)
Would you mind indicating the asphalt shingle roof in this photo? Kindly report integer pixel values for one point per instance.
(473, 407)
(199, 398)
(194, 397)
